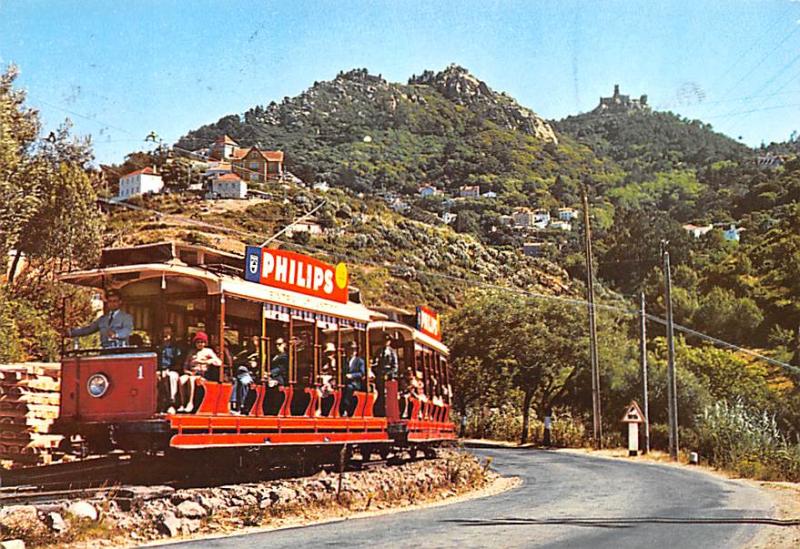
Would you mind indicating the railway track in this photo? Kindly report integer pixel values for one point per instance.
(126, 478)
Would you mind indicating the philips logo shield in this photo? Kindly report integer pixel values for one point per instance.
(253, 262)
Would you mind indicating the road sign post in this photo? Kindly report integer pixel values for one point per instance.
(633, 417)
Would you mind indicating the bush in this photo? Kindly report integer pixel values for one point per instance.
(749, 443)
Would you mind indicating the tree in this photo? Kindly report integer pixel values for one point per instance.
(536, 346)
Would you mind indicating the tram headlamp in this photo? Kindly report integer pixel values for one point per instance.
(97, 385)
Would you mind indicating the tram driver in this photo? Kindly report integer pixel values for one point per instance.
(115, 326)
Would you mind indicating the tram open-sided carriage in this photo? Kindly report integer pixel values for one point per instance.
(111, 398)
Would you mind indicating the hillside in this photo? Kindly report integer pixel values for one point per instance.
(447, 128)
(392, 259)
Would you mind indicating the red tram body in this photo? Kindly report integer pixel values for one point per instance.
(191, 288)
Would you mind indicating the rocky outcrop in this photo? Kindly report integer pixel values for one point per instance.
(458, 85)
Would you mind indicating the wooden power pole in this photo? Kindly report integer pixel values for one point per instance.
(672, 383)
(643, 358)
(597, 425)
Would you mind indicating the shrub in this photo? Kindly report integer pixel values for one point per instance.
(747, 442)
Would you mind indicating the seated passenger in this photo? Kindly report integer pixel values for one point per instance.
(404, 392)
(169, 361)
(356, 371)
(279, 368)
(327, 379)
(246, 364)
(197, 364)
(115, 326)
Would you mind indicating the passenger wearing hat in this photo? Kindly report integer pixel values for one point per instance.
(356, 372)
(197, 364)
(386, 369)
(246, 363)
(279, 368)
(327, 378)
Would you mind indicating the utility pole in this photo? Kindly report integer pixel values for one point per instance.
(597, 425)
(672, 384)
(643, 358)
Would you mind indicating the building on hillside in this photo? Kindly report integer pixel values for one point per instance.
(321, 186)
(534, 249)
(697, 230)
(522, 217)
(567, 214)
(259, 166)
(217, 168)
(309, 226)
(144, 181)
(559, 225)
(618, 103)
(541, 218)
(429, 190)
(489, 194)
(225, 148)
(507, 220)
(769, 161)
(469, 191)
(229, 185)
(732, 233)
(449, 217)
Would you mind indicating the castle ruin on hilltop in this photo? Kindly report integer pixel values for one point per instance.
(621, 103)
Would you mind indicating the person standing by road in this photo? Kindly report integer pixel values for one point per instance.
(115, 326)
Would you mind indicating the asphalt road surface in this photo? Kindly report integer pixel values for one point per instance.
(565, 500)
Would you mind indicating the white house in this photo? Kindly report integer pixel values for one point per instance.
(449, 217)
(697, 230)
(541, 218)
(321, 186)
(306, 226)
(229, 185)
(141, 181)
(489, 194)
(567, 214)
(561, 225)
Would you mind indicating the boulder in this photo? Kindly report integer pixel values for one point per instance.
(22, 521)
(191, 510)
(83, 510)
(56, 522)
(169, 525)
(12, 544)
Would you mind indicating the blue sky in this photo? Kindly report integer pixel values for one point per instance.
(120, 70)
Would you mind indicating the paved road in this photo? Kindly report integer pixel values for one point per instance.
(566, 500)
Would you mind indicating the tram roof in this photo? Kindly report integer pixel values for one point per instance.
(419, 337)
(217, 283)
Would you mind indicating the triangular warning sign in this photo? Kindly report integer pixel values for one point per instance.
(633, 414)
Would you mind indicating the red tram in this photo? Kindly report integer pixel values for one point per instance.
(111, 398)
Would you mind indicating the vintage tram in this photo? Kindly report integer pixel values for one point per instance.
(287, 303)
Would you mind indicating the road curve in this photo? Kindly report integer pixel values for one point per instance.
(565, 500)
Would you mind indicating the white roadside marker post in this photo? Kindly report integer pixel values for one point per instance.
(633, 417)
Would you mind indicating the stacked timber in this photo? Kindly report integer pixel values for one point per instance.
(29, 395)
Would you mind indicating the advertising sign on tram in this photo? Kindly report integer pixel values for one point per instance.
(428, 323)
(296, 272)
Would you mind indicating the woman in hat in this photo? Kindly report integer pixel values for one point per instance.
(327, 378)
(197, 364)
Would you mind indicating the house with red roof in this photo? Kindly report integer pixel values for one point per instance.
(225, 148)
(259, 166)
(142, 181)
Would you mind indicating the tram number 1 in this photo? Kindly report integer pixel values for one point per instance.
(140, 372)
